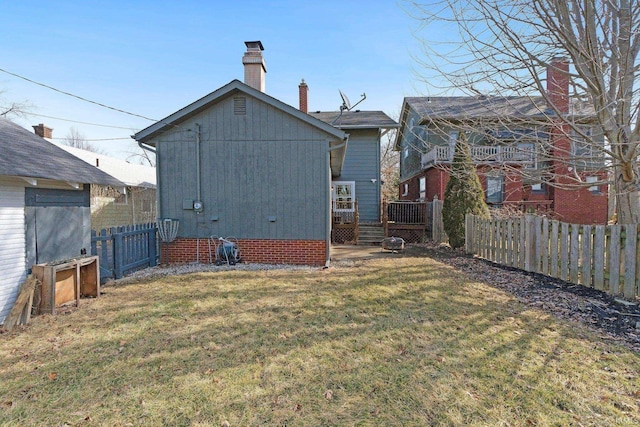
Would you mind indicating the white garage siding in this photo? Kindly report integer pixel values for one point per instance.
(12, 245)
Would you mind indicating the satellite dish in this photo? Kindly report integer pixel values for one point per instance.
(346, 104)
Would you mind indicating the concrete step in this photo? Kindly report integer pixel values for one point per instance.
(370, 234)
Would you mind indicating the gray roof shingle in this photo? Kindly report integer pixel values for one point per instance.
(25, 154)
(486, 107)
(356, 119)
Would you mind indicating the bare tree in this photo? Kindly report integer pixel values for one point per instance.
(76, 139)
(142, 157)
(389, 167)
(14, 109)
(502, 47)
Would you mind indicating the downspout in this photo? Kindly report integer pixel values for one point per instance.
(198, 192)
(147, 147)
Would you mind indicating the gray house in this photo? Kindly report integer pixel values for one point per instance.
(360, 177)
(239, 163)
(44, 206)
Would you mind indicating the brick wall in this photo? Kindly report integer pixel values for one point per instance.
(300, 252)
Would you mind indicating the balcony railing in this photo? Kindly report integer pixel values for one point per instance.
(482, 154)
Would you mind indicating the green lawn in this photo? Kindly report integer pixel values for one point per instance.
(386, 342)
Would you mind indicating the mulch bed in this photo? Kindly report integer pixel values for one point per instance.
(614, 318)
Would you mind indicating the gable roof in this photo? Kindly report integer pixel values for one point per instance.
(338, 139)
(205, 102)
(25, 154)
(356, 119)
(130, 174)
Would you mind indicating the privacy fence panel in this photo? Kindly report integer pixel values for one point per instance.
(597, 256)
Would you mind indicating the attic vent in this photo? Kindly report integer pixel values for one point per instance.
(240, 106)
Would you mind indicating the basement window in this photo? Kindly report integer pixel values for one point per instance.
(239, 106)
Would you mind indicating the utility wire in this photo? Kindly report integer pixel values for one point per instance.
(76, 96)
(98, 139)
(76, 121)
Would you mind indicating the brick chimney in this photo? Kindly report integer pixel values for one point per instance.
(254, 65)
(558, 83)
(43, 131)
(303, 90)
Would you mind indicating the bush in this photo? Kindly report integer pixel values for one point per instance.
(463, 194)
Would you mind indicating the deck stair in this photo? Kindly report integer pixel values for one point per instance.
(370, 233)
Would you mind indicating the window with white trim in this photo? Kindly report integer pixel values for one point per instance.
(495, 189)
(423, 188)
(591, 180)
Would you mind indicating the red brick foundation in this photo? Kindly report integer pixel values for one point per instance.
(300, 252)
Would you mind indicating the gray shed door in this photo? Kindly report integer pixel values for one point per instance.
(59, 232)
(58, 224)
(12, 245)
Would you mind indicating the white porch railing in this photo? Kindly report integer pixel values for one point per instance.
(481, 154)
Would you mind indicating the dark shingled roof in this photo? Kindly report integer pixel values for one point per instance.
(356, 119)
(486, 107)
(25, 154)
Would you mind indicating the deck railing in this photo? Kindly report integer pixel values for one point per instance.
(481, 154)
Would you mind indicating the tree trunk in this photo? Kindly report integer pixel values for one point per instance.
(627, 200)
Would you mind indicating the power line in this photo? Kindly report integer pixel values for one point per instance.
(98, 139)
(76, 96)
(79, 122)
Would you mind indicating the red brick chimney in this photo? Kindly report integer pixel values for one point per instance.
(254, 66)
(558, 83)
(43, 131)
(303, 90)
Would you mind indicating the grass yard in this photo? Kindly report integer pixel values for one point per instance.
(399, 341)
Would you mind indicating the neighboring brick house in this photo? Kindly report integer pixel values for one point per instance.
(526, 157)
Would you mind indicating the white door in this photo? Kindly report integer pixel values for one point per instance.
(343, 196)
(12, 245)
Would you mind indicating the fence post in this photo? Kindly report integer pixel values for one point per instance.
(385, 218)
(468, 245)
(530, 242)
(117, 255)
(152, 247)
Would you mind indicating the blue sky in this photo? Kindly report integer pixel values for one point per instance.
(154, 57)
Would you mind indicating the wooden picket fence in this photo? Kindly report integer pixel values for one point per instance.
(604, 257)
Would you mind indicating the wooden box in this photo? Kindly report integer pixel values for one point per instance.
(67, 281)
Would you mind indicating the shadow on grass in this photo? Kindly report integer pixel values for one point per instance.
(395, 341)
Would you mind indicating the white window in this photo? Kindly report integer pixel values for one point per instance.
(536, 187)
(423, 188)
(405, 152)
(453, 136)
(343, 194)
(405, 189)
(593, 188)
(495, 189)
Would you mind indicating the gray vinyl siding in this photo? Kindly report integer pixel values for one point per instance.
(361, 164)
(255, 166)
